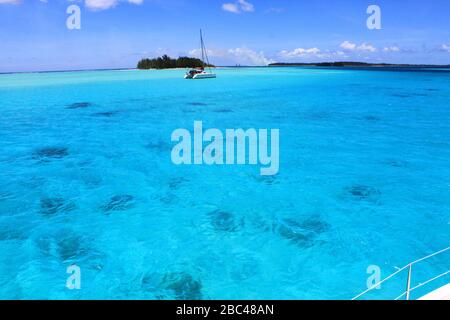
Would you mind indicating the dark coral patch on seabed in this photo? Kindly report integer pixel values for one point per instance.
(268, 180)
(197, 104)
(409, 95)
(175, 183)
(68, 246)
(372, 118)
(8, 232)
(225, 221)
(224, 110)
(79, 105)
(51, 206)
(71, 247)
(396, 163)
(49, 153)
(183, 285)
(302, 233)
(5, 195)
(159, 145)
(105, 114)
(119, 203)
(363, 192)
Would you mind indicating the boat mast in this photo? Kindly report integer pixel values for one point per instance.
(204, 53)
(202, 45)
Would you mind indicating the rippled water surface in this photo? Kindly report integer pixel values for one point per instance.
(86, 179)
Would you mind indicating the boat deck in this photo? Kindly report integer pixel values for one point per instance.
(439, 294)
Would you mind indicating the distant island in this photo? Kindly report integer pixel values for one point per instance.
(355, 64)
(166, 62)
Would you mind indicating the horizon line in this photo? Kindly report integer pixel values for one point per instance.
(274, 64)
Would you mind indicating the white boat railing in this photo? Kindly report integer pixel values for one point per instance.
(407, 293)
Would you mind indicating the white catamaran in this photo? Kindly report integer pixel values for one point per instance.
(200, 73)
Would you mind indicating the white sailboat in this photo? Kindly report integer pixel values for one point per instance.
(200, 73)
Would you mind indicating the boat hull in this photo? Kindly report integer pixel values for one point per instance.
(204, 76)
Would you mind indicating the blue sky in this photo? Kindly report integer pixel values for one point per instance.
(117, 33)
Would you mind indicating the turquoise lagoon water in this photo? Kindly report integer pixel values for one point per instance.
(86, 179)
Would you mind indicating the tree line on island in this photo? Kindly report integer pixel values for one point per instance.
(353, 64)
(166, 62)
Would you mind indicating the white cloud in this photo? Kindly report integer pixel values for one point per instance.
(100, 4)
(230, 7)
(91, 4)
(238, 7)
(249, 57)
(244, 56)
(366, 47)
(311, 53)
(299, 52)
(391, 49)
(246, 6)
(332, 55)
(349, 46)
(446, 48)
(107, 4)
(9, 1)
(346, 45)
(211, 53)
